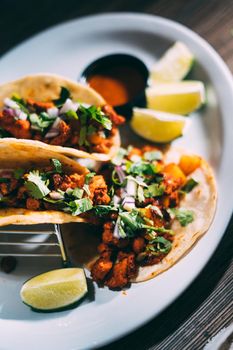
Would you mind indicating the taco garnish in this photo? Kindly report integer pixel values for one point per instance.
(46, 189)
(154, 203)
(75, 121)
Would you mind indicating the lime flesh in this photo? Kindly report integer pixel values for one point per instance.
(54, 289)
(157, 126)
(174, 65)
(180, 98)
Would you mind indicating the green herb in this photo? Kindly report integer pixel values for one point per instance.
(18, 173)
(184, 216)
(36, 186)
(103, 210)
(189, 186)
(140, 168)
(91, 130)
(53, 201)
(64, 94)
(57, 165)
(77, 192)
(154, 190)
(21, 103)
(95, 113)
(159, 245)
(140, 194)
(40, 122)
(88, 178)
(4, 180)
(72, 115)
(117, 160)
(153, 155)
(115, 178)
(79, 206)
(4, 133)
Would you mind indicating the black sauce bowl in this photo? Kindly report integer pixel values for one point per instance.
(117, 60)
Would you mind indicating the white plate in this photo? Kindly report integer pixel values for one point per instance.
(67, 49)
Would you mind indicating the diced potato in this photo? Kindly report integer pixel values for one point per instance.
(175, 172)
(189, 163)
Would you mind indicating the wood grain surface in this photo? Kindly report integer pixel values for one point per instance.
(206, 307)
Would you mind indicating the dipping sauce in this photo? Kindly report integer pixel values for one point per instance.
(118, 84)
(120, 78)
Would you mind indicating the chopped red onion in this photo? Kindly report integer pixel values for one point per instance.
(54, 130)
(55, 195)
(22, 115)
(116, 232)
(128, 203)
(120, 173)
(116, 200)
(10, 103)
(52, 112)
(10, 112)
(69, 105)
(131, 187)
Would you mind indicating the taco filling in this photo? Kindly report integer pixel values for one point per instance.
(145, 201)
(60, 122)
(51, 188)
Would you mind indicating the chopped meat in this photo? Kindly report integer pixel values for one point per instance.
(16, 127)
(21, 192)
(57, 180)
(72, 181)
(138, 244)
(100, 269)
(115, 118)
(41, 106)
(32, 204)
(99, 190)
(7, 188)
(123, 270)
(64, 134)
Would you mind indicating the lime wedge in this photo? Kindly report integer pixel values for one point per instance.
(54, 289)
(174, 65)
(181, 98)
(158, 126)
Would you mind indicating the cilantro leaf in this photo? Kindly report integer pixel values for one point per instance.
(57, 165)
(189, 186)
(40, 122)
(184, 216)
(4, 180)
(72, 115)
(153, 155)
(88, 178)
(79, 206)
(159, 245)
(141, 168)
(64, 94)
(21, 103)
(102, 210)
(154, 190)
(18, 173)
(36, 186)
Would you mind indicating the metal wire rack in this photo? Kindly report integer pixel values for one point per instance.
(21, 242)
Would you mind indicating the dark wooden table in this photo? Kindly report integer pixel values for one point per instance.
(206, 307)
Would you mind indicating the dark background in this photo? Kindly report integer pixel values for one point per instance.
(206, 307)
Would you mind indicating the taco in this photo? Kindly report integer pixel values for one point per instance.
(59, 115)
(161, 205)
(46, 187)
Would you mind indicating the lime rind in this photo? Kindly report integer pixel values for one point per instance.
(174, 65)
(55, 290)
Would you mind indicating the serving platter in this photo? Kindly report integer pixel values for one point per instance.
(66, 50)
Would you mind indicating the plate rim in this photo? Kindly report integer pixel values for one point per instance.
(227, 75)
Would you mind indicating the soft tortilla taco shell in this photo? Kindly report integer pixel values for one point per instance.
(46, 87)
(13, 156)
(202, 202)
